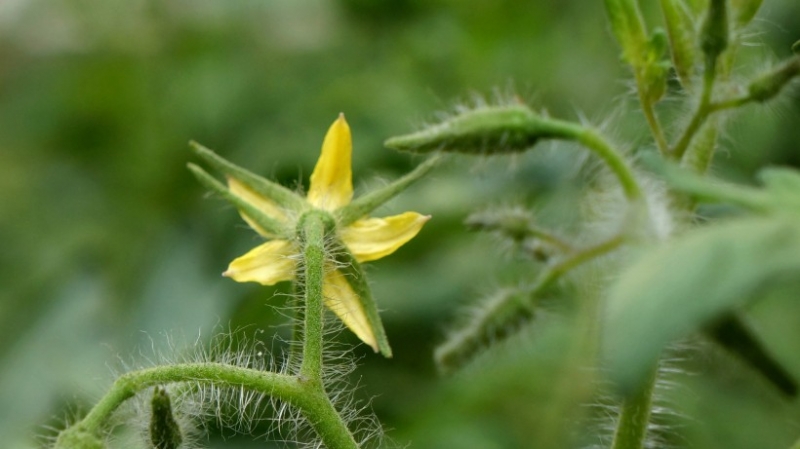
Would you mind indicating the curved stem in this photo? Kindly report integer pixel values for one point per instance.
(282, 386)
(594, 141)
(308, 398)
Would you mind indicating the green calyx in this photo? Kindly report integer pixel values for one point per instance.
(370, 201)
(78, 438)
(282, 196)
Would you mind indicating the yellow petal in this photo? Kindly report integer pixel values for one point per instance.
(373, 238)
(267, 264)
(331, 184)
(260, 202)
(343, 301)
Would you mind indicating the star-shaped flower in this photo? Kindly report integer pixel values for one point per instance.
(272, 211)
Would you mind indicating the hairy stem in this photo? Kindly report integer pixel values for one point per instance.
(652, 120)
(631, 432)
(701, 113)
(308, 398)
(314, 265)
(595, 142)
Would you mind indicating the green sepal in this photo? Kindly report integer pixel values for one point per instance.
(682, 38)
(271, 190)
(365, 204)
(78, 438)
(486, 130)
(263, 220)
(354, 273)
(165, 433)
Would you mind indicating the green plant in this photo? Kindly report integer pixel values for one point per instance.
(642, 273)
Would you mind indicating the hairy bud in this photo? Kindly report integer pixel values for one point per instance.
(770, 84)
(164, 430)
(486, 130)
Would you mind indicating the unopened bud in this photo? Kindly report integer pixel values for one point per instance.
(714, 34)
(770, 84)
(165, 433)
(486, 130)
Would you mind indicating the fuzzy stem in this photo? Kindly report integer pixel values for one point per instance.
(595, 142)
(126, 386)
(631, 430)
(310, 399)
(701, 113)
(652, 120)
(313, 229)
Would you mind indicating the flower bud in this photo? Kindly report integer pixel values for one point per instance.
(770, 84)
(628, 27)
(165, 433)
(682, 38)
(714, 34)
(486, 130)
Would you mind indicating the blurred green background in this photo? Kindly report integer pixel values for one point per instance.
(109, 245)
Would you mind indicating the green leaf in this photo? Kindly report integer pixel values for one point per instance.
(780, 195)
(684, 284)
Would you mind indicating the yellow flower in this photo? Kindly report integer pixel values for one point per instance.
(367, 239)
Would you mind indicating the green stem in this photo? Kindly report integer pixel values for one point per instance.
(595, 142)
(652, 119)
(308, 398)
(313, 229)
(631, 430)
(282, 386)
(701, 113)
